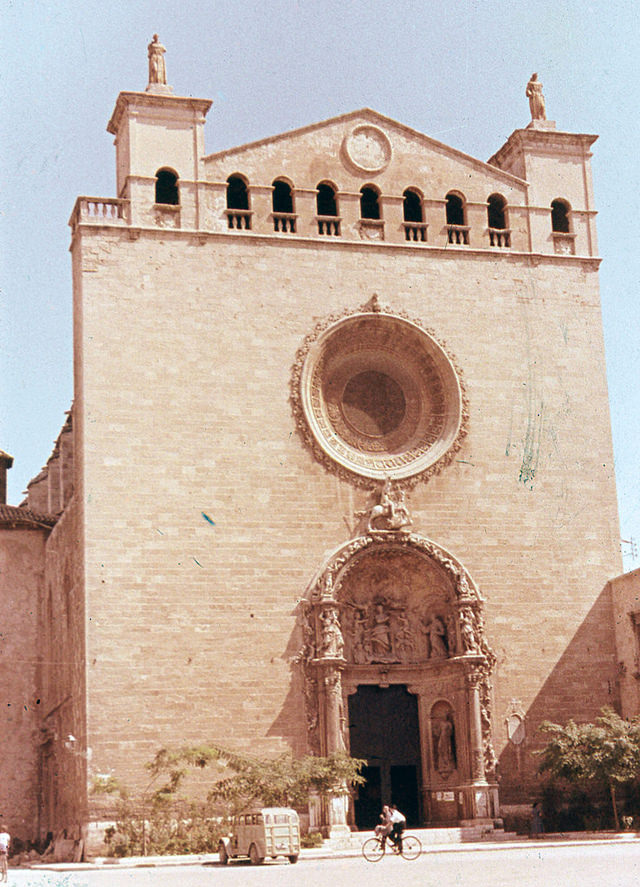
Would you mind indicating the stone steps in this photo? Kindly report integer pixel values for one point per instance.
(428, 836)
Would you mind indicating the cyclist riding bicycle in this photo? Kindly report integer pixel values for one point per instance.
(383, 829)
(398, 822)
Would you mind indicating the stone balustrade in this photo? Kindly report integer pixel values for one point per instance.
(458, 234)
(500, 237)
(99, 211)
(284, 223)
(415, 232)
(329, 225)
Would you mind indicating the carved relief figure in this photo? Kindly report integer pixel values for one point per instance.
(157, 69)
(332, 642)
(361, 651)
(437, 638)
(404, 637)
(467, 632)
(536, 99)
(380, 634)
(392, 512)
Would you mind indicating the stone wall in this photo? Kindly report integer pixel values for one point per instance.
(21, 583)
(206, 516)
(625, 591)
(64, 750)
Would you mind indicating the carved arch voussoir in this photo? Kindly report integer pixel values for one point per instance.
(325, 584)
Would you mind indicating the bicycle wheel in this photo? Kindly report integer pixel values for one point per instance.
(372, 850)
(411, 847)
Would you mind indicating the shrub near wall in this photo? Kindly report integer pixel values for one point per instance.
(165, 828)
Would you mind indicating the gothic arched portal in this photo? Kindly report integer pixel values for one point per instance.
(394, 616)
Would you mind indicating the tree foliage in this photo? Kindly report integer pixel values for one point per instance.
(279, 781)
(606, 752)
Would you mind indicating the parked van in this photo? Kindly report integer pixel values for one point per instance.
(271, 831)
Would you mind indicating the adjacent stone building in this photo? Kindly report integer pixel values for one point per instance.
(342, 468)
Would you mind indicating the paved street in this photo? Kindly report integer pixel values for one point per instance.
(536, 865)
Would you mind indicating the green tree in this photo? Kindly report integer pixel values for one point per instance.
(280, 781)
(607, 752)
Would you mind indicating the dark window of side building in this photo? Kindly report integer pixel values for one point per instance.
(282, 198)
(326, 200)
(560, 216)
(237, 193)
(369, 202)
(412, 206)
(455, 209)
(167, 187)
(496, 211)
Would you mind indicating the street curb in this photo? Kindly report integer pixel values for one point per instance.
(211, 859)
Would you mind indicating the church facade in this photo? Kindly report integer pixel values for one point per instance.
(338, 473)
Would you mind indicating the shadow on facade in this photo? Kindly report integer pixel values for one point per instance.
(290, 724)
(581, 683)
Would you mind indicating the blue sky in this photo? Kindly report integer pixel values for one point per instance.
(455, 70)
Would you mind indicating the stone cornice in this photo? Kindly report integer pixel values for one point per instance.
(147, 101)
(296, 240)
(550, 140)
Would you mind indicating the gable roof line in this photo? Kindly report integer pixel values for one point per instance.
(341, 118)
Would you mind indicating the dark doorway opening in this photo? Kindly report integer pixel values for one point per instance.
(384, 729)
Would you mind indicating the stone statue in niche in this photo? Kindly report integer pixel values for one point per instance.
(536, 99)
(331, 642)
(467, 631)
(444, 745)
(392, 512)
(157, 68)
(437, 647)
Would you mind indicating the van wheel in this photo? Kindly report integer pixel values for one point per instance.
(254, 857)
(223, 856)
(293, 858)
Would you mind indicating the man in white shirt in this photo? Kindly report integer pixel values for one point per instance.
(398, 822)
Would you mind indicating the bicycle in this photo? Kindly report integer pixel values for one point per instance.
(374, 849)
